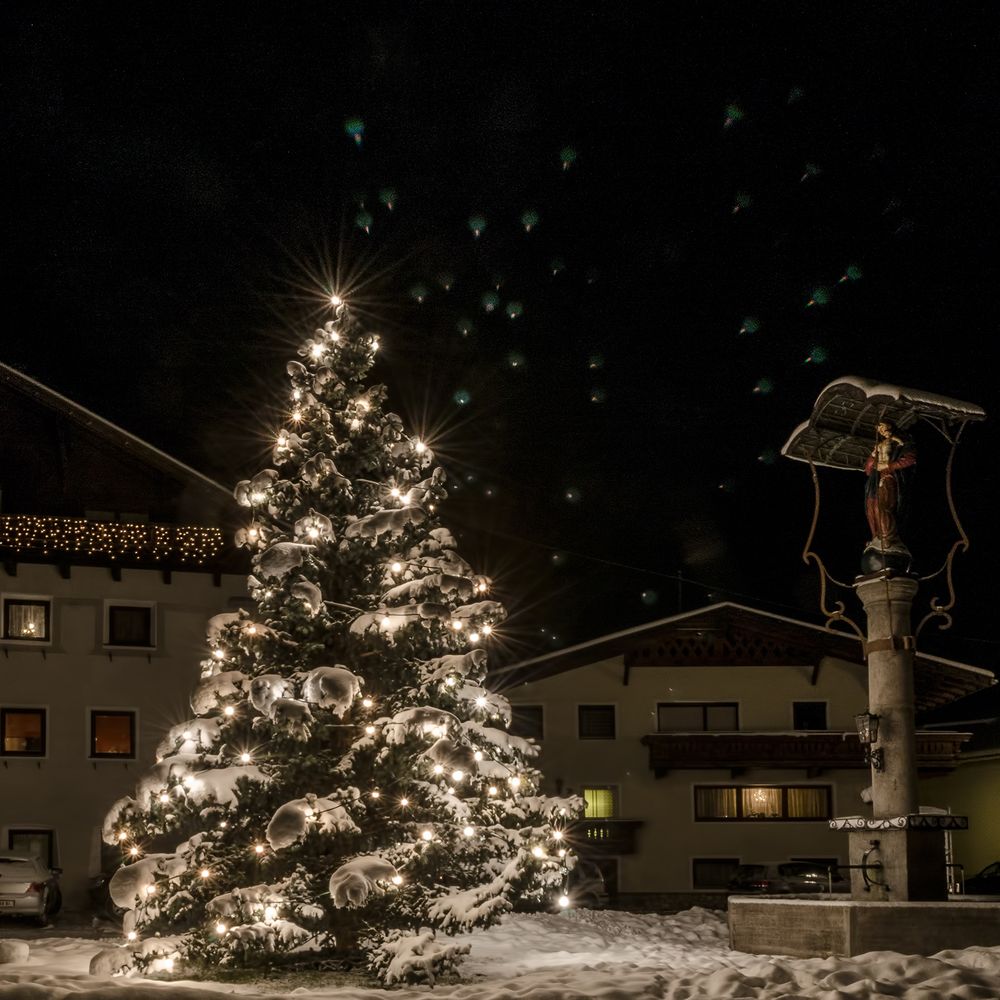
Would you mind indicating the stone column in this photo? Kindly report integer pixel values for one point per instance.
(887, 601)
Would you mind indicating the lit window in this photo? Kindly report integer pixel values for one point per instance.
(27, 619)
(112, 733)
(130, 625)
(22, 732)
(757, 803)
(596, 722)
(601, 802)
(527, 721)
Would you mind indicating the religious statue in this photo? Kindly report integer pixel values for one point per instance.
(885, 487)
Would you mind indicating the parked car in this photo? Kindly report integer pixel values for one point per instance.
(790, 876)
(986, 883)
(28, 888)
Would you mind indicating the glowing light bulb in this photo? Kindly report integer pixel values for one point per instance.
(282, 440)
(229, 710)
(458, 625)
(404, 802)
(375, 343)
(480, 702)
(564, 901)
(370, 730)
(251, 630)
(218, 654)
(164, 797)
(376, 794)
(134, 851)
(514, 782)
(557, 834)
(473, 637)
(316, 350)
(457, 775)
(367, 702)
(270, 913)
(168, 964)
(150, 890)
(131, 936)
(296, 415)
(205, 873)
(492, 790)
(245, 758)
(397, 879)
(296, 394)
(220, 928)
(397, 567)
(394, 492)
(482, 587)
(427, 835)
(468, 831)
(487, 630)
(438, 769)
(334, 336)
(336, 300)
(450, 681)
(257, 497)
(310, 812)
(258, 849)
(478, 755)
(223, 825)
(385, 622)
(538, 852)
(419, 447)
(313, 532)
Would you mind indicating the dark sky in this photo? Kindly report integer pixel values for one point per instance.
(179, 181)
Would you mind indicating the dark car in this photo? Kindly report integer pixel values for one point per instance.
(986, 883)
(28, 888)
(791, 876)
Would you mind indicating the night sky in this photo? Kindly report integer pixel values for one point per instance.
(181, 190)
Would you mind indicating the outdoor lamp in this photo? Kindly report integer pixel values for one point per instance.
(867, 725)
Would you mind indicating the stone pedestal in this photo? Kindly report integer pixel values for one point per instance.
(906, 855)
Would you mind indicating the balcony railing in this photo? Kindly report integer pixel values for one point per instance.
(937, 752)
(603, 836)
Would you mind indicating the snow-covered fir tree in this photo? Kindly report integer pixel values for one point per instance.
(347, 783)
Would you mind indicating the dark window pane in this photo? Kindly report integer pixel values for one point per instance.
(130, 626)
(597, 722)
(721, 718)
(713, 873)
(36, 843)
(715, 803)
(527, 721)
(809, 714)
(681, 718)
(113, 734)
(808, 803)
(23, 731)
(26, 620)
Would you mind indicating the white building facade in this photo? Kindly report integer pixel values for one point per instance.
(720, 737)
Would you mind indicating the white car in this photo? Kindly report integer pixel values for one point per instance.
(27, 887)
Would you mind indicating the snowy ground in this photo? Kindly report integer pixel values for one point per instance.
(572, 956)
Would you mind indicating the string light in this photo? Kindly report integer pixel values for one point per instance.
(131, 936)
(481, 702)
(419, 447)
(316, 350)
(427, 835)
(469, 831)
(397, 567)
(258, 848)
(538, 852)
(394, 492)
(514, 782)
(245, 758)
(229, 710)
(370, 730)
(134, 851)
(562, 852)
(458, 625)
(219, 654)
(164, 798)
(220, 928)
(367, 702)
(150, 890)
(473, 637)
(205, 873)
(487, 630)
(564, 901)
(492, 790)
(449, 681)
(457, 775)
(404, 802)
(439, 769)
(270, 913)
(122, 835)
(397, 879)
(557, 834)
(376, 794)
(336, 300)
(478, 755)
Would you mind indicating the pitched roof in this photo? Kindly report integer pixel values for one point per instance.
(143, 450)
(731, 634)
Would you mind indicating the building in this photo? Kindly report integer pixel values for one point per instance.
(113, 557)
(717, 737)
(973, 788)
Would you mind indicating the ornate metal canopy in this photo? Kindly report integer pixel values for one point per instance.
(840, 432)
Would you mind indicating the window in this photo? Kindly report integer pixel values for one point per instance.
(27, 619)
(596, 722)
(37, 843)
(130, 625)
(112, 733)
(697, 717)
(601, 800)
(754, 803)
(713, 873)
(527, 721)
(809, 714)
(22, 732)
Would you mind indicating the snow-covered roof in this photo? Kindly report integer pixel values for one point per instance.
(938, 680)
(105, 428)
(841, 429)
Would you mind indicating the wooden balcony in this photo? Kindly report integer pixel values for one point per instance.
(602, 837)
(813, 752)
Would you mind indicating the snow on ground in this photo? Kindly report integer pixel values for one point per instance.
(583, 954)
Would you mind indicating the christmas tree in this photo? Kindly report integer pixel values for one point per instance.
(347, 785)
